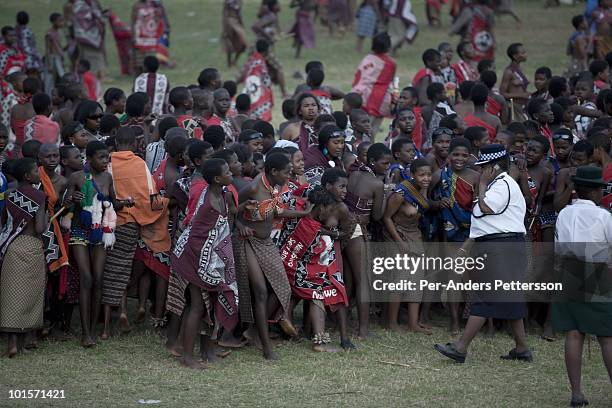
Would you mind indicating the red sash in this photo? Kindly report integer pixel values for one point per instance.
(472, 120)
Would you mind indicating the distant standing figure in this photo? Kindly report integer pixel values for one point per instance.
(368, 16)
(303, 28)
(373, 80)
(402, 24)
(147, 28)
(89, 32)
(54, 52)
(475, 24)
(27, 42)
(155, 85)
(233, 34)
(267, 26)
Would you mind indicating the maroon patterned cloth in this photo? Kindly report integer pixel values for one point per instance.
(203, 256)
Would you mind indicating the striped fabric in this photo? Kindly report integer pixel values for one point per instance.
(118, 267)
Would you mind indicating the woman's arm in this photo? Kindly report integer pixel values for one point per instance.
(393, 205)
(378, 206)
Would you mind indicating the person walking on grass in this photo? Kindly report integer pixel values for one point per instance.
(498, 231)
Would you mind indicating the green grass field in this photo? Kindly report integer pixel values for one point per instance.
(125, 369)
(196, 31)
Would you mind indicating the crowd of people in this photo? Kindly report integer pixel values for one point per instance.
(188, 198)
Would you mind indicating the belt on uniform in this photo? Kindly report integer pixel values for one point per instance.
(491, 237)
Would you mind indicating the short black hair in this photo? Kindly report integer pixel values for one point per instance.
(399, 143)
(444, 45)
(449, 121)
(341, 119)
(489, 78)
(70, 129)
(23, 18)
(41, 102)
(215, 136)
(465, 89)
(262, 46)
(166, 124)
(21, 167)
(564, 102)
(602, 96)
(479, 94)
(381, 43)
(311, 65)
(7, 29)
(108, 122)
(93, 147)
(600, 140)
(212, 168)
(207, 76)
(556, 86)
(323, 119)
(31, 86)
(315, 77)
(196, 149)
(243, 102)
(558, 112)
(7, 167)
(475, 133)
(288, 108)
(274, 150)
(583, 146)
(125, 136)
(485, 65)
(544, 71)
(535, 105)
(604, 122)
(65, 149)
(459, 142)
(151, 63)
(377, 151)
(434, 89)
(597, 67)
(430, 54)
(543, 141)
(417, 164)
(276, 161)
(332, 175)
(178, 96)
(354, 100)
(231, 87)
(577, 20)
(53, 17)
(513, 49)
(111, 95)
(320, 196)
(461, 47)
(242, 151)
(176, 141)
(247, 124)
(85, 64)
(517, 127)
(265, 128)
(135, 104)
(30, 148)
